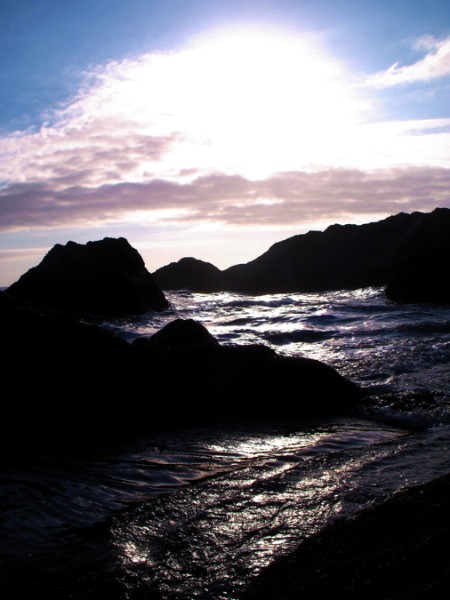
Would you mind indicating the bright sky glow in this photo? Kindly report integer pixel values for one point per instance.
(236, 129)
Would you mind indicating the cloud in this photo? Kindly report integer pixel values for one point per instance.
(66, 154)
(250, 103)
(435, 64)
(282, 199)
(191, 139)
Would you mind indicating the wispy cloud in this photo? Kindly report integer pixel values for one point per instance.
(285, 198)
(105, 150)
(435, 64)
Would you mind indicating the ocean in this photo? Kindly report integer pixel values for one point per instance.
(198, 512)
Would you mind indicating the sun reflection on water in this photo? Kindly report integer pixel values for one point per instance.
(273, 488)
(267, 445)
(207, 540)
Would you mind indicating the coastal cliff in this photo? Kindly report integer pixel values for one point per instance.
(341, 257)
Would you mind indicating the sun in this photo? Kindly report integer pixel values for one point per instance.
(267, 100)
(247, 100)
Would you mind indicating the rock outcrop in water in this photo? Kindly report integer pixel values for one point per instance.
(188, 274)
(106, 277)
(181, 333)
(73, 382)
(341, 257)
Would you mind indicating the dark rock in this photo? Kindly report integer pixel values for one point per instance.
(423, 277)
(106, 277)
(73, 383)
(67, 380)
(397, 550)
(209, 382)
(188, 274)
(180, 333)
(342, 257)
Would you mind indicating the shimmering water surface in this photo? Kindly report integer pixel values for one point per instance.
(197, 513)
(391, 350)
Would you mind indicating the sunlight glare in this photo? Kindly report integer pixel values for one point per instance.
(268, 101)
(254, 102)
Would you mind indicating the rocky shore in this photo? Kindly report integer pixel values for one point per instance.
(72, 381)
(397, 551)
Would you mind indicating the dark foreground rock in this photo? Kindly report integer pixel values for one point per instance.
(106, 277)
(181, 333)
(423, 277)
(71, 382)
(341, 257)
(398, 550)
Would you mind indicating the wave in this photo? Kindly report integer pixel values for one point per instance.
(305, 336)
(331, 319)
(262, 302)
(412, 409)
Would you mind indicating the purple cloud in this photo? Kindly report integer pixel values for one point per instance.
(284, 198)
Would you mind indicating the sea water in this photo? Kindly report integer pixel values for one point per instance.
(198, 512)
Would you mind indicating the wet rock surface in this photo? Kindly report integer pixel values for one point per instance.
(397, 550)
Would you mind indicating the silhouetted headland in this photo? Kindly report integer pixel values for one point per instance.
(398, 550)
(423, 277)
(341, 257)
(106, 277)
(75, 382)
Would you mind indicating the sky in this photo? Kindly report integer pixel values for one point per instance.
(213, 128)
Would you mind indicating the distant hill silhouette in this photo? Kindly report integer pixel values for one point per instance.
(341, 257)
(188, 273)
